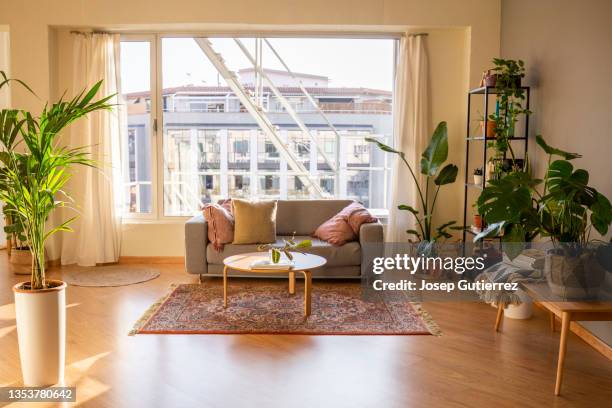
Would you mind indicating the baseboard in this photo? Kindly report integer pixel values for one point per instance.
(155, 260)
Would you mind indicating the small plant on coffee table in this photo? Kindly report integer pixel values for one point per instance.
(290, 246)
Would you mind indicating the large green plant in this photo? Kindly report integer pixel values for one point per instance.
(436, 176)
(35, 173)
(565, 209)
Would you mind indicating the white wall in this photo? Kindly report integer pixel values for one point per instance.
(566, 45)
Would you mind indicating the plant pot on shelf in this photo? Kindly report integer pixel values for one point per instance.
(20, 261)
(490, 130)
(573, 276)
(489, 79)
(41, 331)
(478, 222)
(478, 179)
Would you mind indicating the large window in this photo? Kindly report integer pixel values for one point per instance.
(279, 118)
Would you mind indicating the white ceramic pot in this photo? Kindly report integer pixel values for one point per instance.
(522, 311)
(41, 330)
(477, 180)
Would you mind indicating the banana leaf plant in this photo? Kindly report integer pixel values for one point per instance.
(34, 175)
(432, 160)
(565, 210)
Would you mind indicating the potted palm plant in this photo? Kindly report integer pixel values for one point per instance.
(31, 143)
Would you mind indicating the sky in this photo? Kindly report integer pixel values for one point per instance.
(364, 63)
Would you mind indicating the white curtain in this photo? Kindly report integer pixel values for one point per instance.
(97, 231)
(410, 129)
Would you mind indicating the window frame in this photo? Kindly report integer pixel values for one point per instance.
(153, 129)
(157, 214)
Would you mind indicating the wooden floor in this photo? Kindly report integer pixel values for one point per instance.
(469, 365)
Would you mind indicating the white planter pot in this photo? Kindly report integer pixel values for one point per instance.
(477, 180)
(41, 330)
(522, 311)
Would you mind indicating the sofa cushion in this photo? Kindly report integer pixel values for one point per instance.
(304, 216)
(220, 224)
(345, 255)
(254, 222)
(336, 231)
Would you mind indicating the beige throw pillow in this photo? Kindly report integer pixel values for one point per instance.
(254, 222)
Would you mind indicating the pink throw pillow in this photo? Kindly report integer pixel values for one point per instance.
(220, 224)
(344, 226)
(336, 231)
(357, 214)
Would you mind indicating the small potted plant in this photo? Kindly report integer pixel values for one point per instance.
(488, 128)
(478, 222)
(508, 73)
(489, 79)
(290, 246)
(478, 176)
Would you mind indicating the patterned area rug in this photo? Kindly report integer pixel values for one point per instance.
(268, 308)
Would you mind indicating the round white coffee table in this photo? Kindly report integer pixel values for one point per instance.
(303, 263)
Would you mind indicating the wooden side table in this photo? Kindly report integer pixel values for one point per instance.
(567, 311)
(303, 263)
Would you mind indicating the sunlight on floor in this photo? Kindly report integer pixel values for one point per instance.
(6, 330)
(7, 312)
(86, 363)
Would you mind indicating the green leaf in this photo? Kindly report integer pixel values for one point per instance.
(447, 175)
(404, 207)
(437, 152)
(413, 232)
(304, 244)
(383, 146)
(492, 230)
(601, 214)
(554, 151)
(275, 255)
(513, 240)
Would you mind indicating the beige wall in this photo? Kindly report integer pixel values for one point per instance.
(464, 36)
(566, 45)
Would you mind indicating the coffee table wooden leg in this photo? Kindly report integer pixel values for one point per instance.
(565, 324)
(225, 286)
(552, 321)
(307, 292)
(500, 315)
(291, 283)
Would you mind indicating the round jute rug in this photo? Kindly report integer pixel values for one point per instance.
(111, 275)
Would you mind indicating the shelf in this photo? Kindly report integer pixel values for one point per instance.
(494, 138)
(489, 89)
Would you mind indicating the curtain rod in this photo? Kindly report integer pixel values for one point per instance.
(418, 35)
(88, 32)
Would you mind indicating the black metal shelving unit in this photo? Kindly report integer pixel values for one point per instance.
(486, 92)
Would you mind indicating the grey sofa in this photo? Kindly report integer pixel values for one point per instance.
(301, 216)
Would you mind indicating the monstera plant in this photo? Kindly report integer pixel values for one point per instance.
(566, 210)
(436, 175)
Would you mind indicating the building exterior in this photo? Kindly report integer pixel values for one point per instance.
(213, 148)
